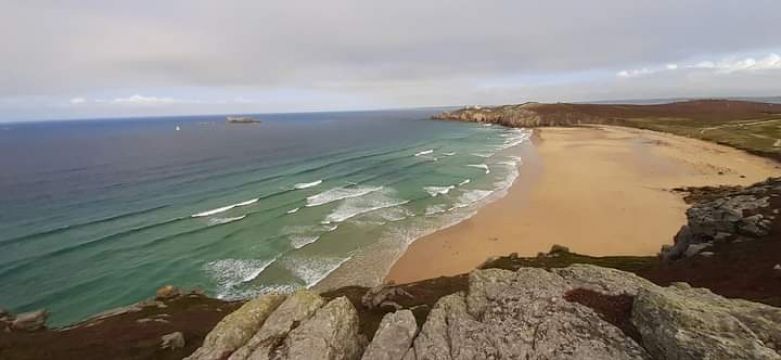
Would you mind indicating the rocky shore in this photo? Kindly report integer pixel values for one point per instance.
(684, 304)
(713, 293)
(746, 125)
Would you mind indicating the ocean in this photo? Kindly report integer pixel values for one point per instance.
(96, 214)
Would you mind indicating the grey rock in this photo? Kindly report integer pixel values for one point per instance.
(235, 329)
(331, 334)
(695, 249)
(603, 280)
(393, 337)
(30, 321)
(172, 341)
(298, 307)
(384, 296)
(521, 315)
(167, 292)
(680, 322)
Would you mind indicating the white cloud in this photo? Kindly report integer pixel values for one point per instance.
(725, 66)
(635, 72)
(78, 100)
(144, 100)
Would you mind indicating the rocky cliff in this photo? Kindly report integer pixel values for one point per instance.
(750, 126)
(578, 312)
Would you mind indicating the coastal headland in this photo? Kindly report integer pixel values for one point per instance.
(651, 209)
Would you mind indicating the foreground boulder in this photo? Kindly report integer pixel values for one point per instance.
(237, 328)
(393, 338)
(519, 315)
(578, 312)
(331, 334)
(297, 308)
(679, 322)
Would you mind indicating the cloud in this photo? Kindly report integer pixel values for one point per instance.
(385, 54)
(77, 100)
(144, 100)
(728, 65)
(635, 72)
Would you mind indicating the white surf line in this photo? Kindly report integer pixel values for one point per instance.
(225, 208)
(300, 186)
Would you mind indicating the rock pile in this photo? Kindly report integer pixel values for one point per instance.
(735, 215)
(24, 322)
(525, 314)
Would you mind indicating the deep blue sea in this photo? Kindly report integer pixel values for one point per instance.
(96, 214)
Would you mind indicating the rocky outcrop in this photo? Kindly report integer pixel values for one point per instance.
(577, 312)
(237, 328)
(331, 334)
(509, 315)
(172, 341)
(735, 215)
(30, 321)
(297, 308)
(679, 322)
(393, 338)
(300, 326)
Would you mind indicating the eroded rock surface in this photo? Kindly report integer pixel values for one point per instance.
(298, 307)
(735, 215)
(578, 312)
(331, 334)
(237, 328)
(679, 322)
(393, 337)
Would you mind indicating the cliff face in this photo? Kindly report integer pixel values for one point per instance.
(750, 126)
(563, 114)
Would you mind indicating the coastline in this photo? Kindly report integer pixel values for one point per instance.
(610, 185)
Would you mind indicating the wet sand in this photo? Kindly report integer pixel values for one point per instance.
(598, 190)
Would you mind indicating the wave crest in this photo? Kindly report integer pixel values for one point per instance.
(225, 208)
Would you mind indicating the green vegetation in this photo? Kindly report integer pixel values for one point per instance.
(761, 136)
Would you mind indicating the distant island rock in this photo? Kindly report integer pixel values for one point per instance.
(242, 120)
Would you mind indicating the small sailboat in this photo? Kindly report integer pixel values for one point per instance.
(178, 128)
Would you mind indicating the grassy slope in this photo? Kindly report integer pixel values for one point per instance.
(750, 126)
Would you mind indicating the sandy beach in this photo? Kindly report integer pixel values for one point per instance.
(597, 190)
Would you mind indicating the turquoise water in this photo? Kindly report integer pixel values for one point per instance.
(98, 214)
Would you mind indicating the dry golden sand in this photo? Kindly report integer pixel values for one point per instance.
(599, 191)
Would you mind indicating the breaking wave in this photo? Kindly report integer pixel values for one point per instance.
(337, 194)
(481, 166)
(435, 191)
(425, 152)
(312, 270)
(220, 221)
(300, 186)
(361, 205)
(225, 208)
(230, 273)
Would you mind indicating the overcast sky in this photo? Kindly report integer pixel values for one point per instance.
(82, 58)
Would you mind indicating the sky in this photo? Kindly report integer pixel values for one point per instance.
(63, 59)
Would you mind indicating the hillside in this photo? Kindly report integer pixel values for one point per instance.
(750, 126)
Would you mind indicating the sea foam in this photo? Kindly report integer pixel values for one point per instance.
(312, 270)
(425, 152)
(361, 205)
(481, 166)
(435, 191)
(337, 194)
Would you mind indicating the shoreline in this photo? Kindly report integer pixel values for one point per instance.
(610, 185)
